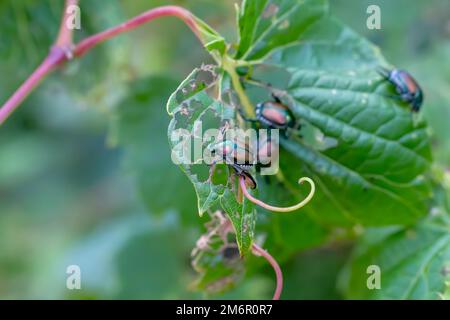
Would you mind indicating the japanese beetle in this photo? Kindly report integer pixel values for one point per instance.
(238, 155)
(233, 153)
(406, 86)
(273, 114)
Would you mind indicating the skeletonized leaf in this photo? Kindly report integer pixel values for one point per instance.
(193, 112)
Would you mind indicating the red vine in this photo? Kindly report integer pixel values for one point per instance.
(63, 49)
(258, 251)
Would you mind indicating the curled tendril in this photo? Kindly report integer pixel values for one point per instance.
(279, 209)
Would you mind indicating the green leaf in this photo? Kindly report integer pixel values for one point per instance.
(414, 263)
(211, 39)
(368, 154)
(193, 112)
(265, 25)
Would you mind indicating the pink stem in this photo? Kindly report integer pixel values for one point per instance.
(60, 53)
(65, 34)
(257, 250)
(54, 58)
(135, 22)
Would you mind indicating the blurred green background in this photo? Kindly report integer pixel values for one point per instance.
(70, 192)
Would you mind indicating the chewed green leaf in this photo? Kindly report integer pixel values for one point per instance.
(414, 264)
(265, 25)
(243, 217)
(196, 82)
(193, 112)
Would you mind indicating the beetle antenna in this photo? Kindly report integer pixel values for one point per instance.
(384, 72)
(279, 209)
(275, 97)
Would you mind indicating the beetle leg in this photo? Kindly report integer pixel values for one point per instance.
(237, 169)
(249, 176)
(297, 133)
(242, 173)
(394, 97)
(293, 130)
(276, 98)
(415, 108)
(407, 97)
(241, 113)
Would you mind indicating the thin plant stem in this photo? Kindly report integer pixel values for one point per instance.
(229, 66)
(164, 11)
(258, 251)
(55, 57)
(65, 34)
(63, 50)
